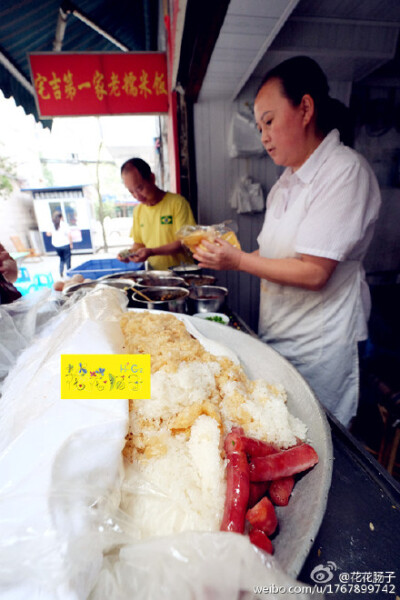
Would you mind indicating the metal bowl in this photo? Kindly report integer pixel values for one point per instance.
(167, 281)
(207, 298)
(121, 284)
(196, 279)
(182, 270)
(136, 274)
(172, 299)
(123, 275)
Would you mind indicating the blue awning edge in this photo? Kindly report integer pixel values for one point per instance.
(11, 88)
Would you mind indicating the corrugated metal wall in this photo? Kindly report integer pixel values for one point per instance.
(217, 175)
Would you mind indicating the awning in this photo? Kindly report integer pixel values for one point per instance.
(33, 25)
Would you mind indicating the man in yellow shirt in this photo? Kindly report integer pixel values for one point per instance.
(156, 219)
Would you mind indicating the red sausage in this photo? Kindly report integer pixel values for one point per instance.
(258, 489)
(280, 490)
(237, 492)
(255, 447)
(282, 464)
(234, 441)
(262, 516)
(261, 540)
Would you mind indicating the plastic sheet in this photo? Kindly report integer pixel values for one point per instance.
(20, 321)
(64, 535)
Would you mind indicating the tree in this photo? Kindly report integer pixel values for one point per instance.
(7, 174)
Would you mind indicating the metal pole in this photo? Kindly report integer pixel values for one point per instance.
(17, 74)
(70, 8)
(60, 30)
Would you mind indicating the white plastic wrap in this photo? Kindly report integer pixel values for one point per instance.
(63, 533)
(247, 196)
(243, 137)
(20, 321)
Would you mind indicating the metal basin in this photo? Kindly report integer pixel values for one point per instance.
(182, 270)
(172, 299)
(167, 281)
(121, 284)
(207, 298)
(133, 275)
(192, 279)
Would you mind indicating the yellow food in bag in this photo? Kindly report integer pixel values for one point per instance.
(194, 238)
(230, 237)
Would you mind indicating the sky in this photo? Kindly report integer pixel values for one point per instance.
(25, 141)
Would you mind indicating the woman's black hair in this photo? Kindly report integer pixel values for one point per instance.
(140, 165)
(56, 218)
(302, 75)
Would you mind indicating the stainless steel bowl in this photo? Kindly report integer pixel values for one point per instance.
(168, 281)
(172, 299)
(181, 270)
(207, 298)
(195, 279)
(121, 284)
(123, 275)
(137, 274)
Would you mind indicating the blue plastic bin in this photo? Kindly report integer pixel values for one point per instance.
(93, 269)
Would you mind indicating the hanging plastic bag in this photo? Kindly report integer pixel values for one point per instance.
(247, 196)
(192, 235)
(243, 137)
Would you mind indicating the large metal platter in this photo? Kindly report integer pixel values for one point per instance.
(300, 520)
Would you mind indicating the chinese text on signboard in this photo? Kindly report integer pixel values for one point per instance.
(99, 84)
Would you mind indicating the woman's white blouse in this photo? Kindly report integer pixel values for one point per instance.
(343, 201)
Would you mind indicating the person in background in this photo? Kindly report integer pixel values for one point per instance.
(156, 219)
(314, 300)
(8, 274)
(61, 239)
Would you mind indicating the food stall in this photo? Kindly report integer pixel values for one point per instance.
(333, 535)
(340, 536)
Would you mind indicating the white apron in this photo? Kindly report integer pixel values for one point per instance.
(316, 331)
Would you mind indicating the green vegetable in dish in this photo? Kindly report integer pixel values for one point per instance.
(216, 319)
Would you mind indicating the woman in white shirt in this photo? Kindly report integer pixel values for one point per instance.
(320, 216)
(61, 239)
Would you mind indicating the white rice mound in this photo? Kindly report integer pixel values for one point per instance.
(175, 464)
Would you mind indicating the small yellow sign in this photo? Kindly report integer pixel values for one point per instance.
(98, 376)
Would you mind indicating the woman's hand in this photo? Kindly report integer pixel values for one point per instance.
(219, 255)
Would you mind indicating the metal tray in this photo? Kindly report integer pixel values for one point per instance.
(299, 522)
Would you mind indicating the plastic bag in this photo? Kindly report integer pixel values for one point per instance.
(20, 321)
(64, 535)
(60, 460)
(192, 235)
(243, 137)
(247, 196)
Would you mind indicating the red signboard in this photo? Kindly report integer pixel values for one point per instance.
(69, 84)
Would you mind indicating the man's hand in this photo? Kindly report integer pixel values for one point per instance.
(129, 255)
(123, 258)
(219, 255)
(141, 255)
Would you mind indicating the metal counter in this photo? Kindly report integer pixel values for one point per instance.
(360, 532)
